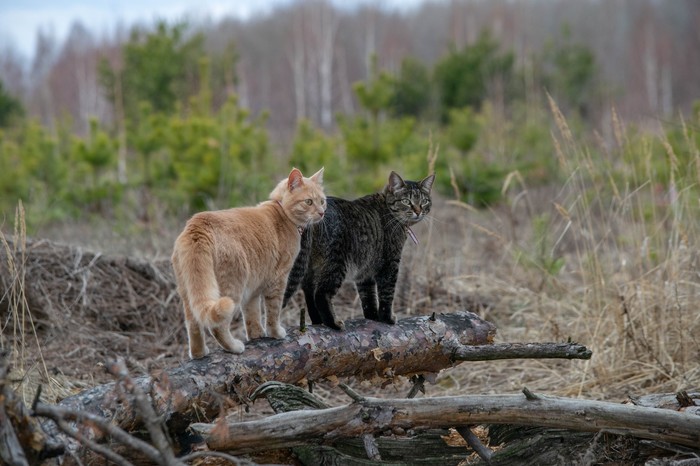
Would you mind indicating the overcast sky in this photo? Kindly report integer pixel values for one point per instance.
(21, 19)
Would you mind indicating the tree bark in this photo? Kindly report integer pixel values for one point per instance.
(199, 389)
(522, 351)
(374, 416)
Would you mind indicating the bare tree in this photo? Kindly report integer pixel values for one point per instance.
(297, 59)
(326, 29)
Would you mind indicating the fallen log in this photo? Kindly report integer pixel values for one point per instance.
(200, 389)
(374, 416)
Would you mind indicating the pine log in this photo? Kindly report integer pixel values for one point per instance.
(374, 416)
(199, 389)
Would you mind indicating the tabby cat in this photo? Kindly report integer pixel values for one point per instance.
(242, 257)
(361, 240)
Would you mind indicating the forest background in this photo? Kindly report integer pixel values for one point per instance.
(166, 119)
(567, 135)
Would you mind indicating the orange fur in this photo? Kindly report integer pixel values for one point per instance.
(241, 257)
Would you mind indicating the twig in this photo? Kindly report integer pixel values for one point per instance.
(418, 386)
(59, 414)
(684, 400)
(150, 417)
(97, 448)
(302, 319)
(351, 393)
(529, 395)
(475, 444)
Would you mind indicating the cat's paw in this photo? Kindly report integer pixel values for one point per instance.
(391, 320)
(255, 332)
(198, 353)
(337, 325)
(235, 347)
(277, 332)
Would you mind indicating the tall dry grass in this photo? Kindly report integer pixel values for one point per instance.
(19, 339)
(605, 258)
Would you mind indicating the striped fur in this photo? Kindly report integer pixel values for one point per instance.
(361, 240)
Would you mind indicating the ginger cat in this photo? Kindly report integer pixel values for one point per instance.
(241, 257)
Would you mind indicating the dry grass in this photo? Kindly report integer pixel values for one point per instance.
(589, 260)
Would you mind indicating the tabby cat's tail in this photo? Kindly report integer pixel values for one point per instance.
(301, 264)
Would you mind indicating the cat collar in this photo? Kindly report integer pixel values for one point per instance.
(413, 236)
(300, 229)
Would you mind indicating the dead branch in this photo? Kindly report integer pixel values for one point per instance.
(475, 444)
(125, 447)
(150, 418)
(374, 416)
(22, 440)
(11, 452)
(522, 351)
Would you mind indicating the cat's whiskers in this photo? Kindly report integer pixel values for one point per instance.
(395, 224)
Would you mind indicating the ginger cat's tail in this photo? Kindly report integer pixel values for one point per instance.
(205, 308)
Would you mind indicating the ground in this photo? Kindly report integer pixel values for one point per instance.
(79, 295)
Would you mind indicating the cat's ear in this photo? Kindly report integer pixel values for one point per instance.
(395, 182)
(295, 180)
(318, 176)
(426, 183)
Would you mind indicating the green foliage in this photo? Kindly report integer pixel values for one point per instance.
(93, 186)
(463, 129)
(483, 147)
(542, 255)
(411, 90)
(220, 161)
(10, 108)
(569, 73)
(155, 70)
(477, 180)
(31, 169)
(365, 154)
(376, 94)
(462, 77)
(684, 145)
(312, 149)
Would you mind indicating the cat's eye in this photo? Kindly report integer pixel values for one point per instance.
(309, 201)
(406, 201)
